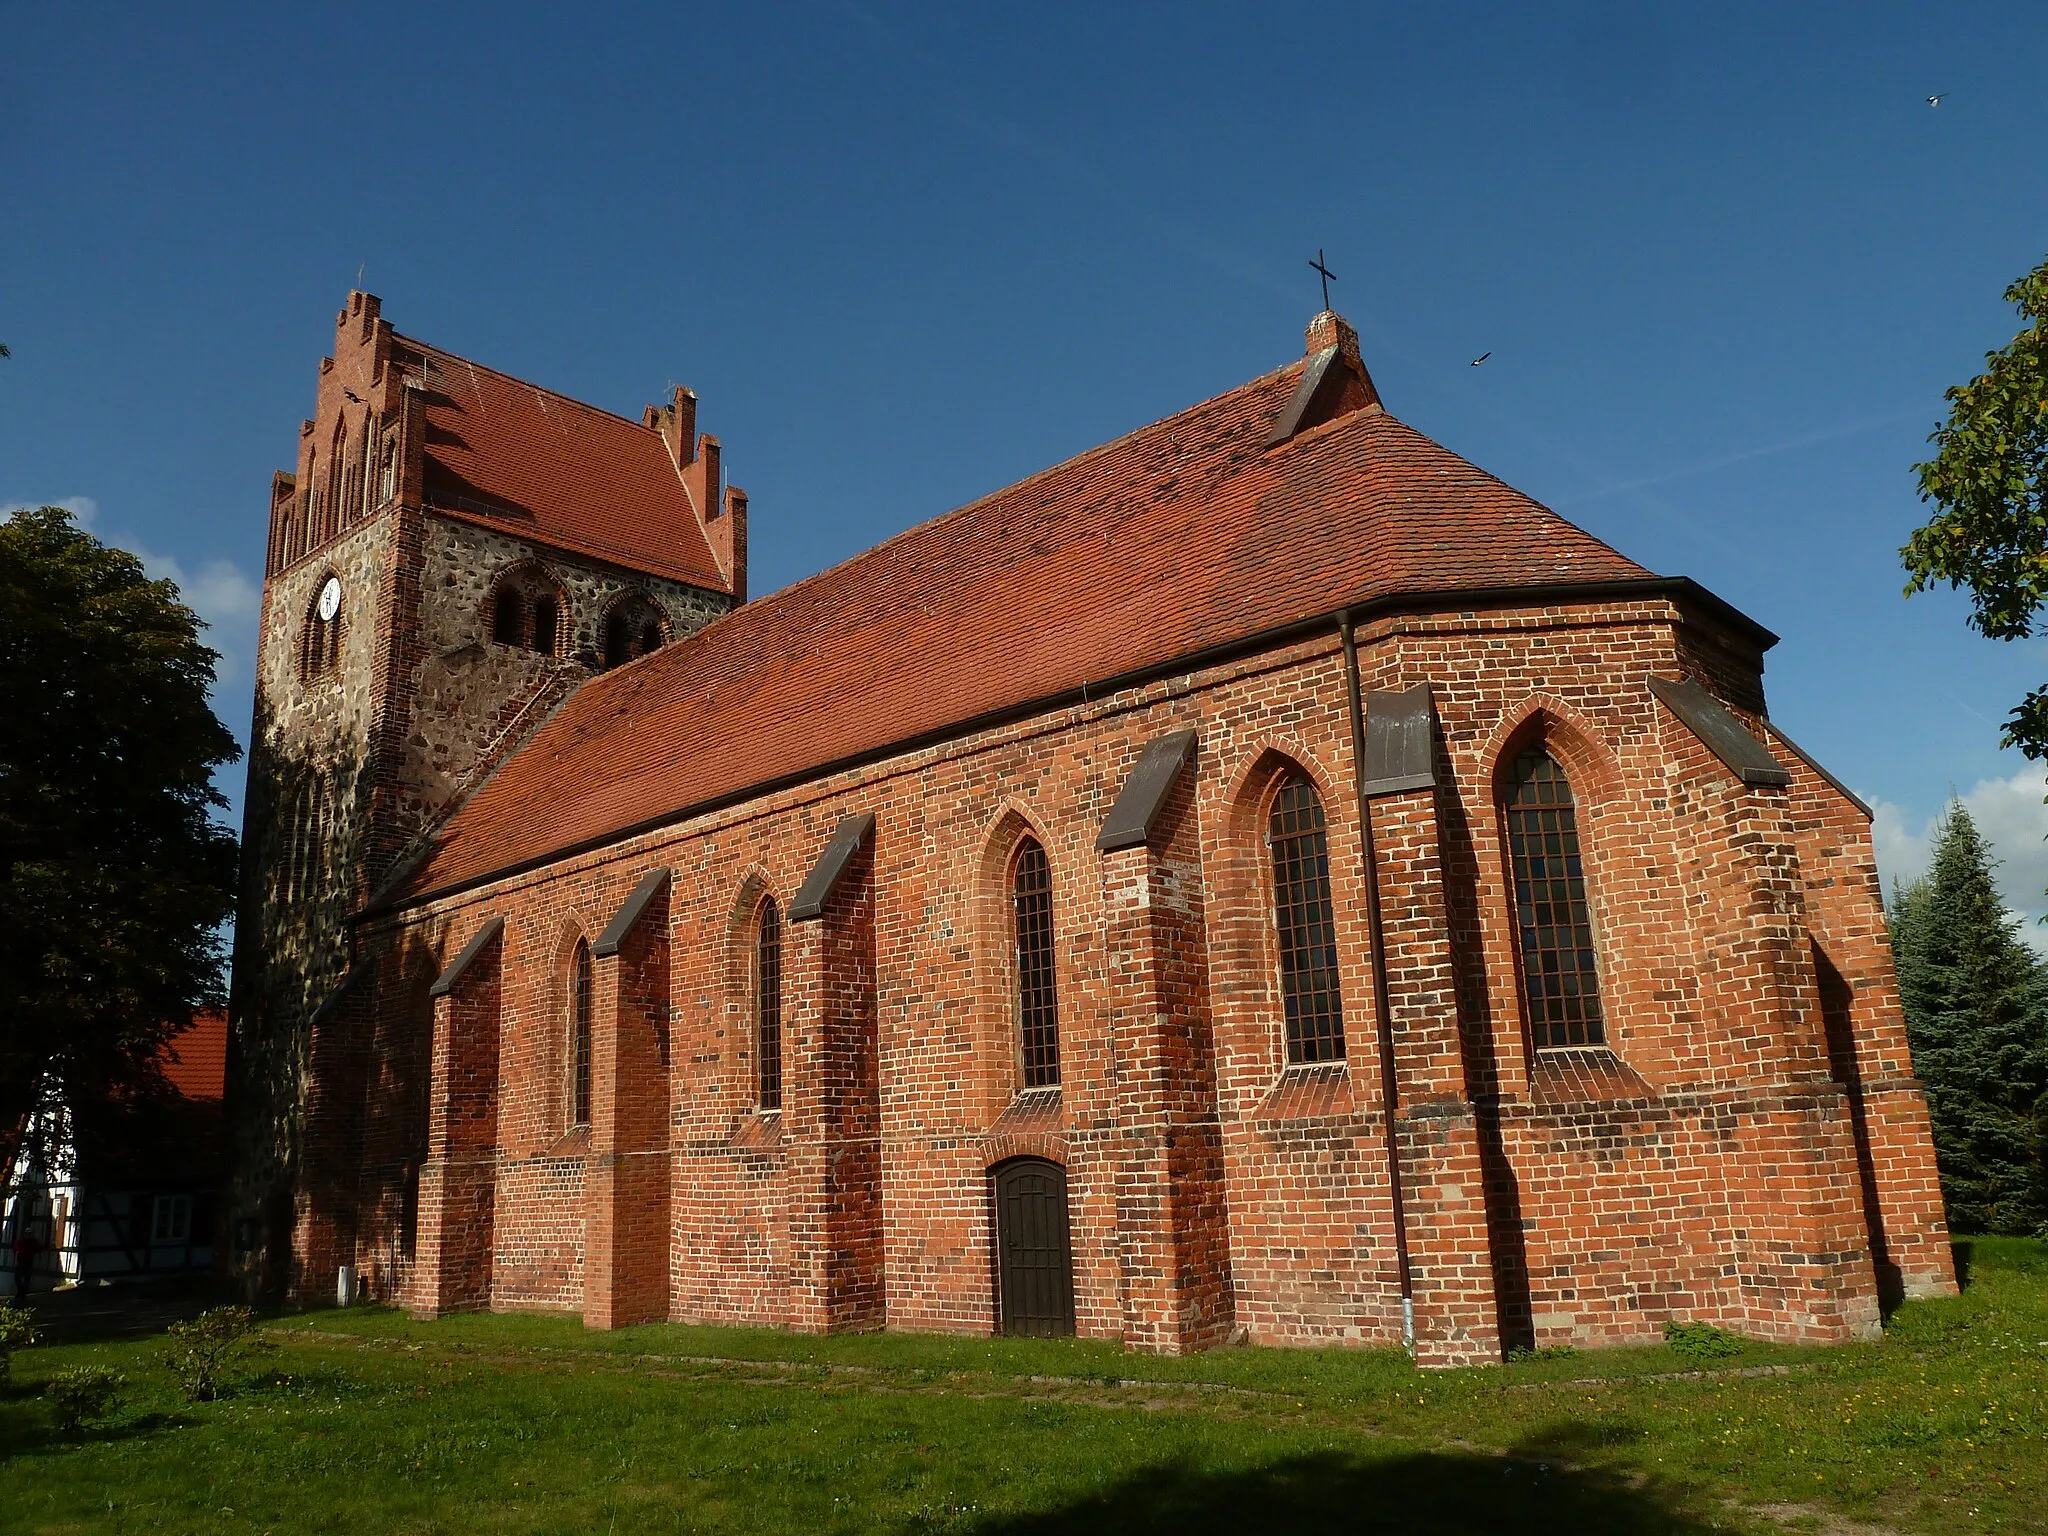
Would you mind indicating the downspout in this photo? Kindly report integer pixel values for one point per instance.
(1382, 1004)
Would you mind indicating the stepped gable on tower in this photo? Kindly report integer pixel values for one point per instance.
(506, 454)
(1201, 530)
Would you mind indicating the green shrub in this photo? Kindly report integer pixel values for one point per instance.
(202, 1350)
(83, 1394)
(17, 1331)
(1700, 1342)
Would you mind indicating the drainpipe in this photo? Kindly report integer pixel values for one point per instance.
(1383, 1005)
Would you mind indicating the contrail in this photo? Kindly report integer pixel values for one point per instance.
(1707, 466)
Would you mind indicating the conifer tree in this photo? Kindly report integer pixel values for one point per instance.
(1976, 1004)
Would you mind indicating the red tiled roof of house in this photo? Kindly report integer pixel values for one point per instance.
(509, 454)
(195, 1059)
(1188, 534)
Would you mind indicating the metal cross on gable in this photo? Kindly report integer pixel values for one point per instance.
(1328, 276)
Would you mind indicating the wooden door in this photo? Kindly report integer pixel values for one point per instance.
(1034, 1257)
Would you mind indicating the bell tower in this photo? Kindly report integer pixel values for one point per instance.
(325, 674)
(452, 554)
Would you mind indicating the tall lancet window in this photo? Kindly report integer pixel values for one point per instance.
(1307, 925)
(1038, 1009)
(581, 996)
(768, 1005)
(1560, 981)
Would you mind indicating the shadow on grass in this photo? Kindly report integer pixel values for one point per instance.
(1534, 1489)
(25, 1432)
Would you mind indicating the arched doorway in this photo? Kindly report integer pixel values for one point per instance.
(1034, 1259)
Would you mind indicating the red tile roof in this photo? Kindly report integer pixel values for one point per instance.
(509, 454)
(196, 1058)
(1185, 535)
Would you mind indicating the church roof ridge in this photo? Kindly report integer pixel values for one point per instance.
(430, 349)
(1178, 539)
(951, 513)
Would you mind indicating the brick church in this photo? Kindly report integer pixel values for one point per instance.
(1262, 878)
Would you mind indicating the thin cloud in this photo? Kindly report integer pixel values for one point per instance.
(2010, 814)
(225, 597)
(84, 508)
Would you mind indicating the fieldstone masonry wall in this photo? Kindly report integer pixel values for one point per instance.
(1708, 1161)
(472, 700)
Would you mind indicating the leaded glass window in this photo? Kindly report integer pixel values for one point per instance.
(1307, 925)
(1560, 981)
(580, 990)
(1038, 1014)
(768, 1005)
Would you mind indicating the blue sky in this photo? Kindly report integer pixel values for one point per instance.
(1725, 260)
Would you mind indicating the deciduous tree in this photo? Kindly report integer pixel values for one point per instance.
(1989, 480)
(114, 876)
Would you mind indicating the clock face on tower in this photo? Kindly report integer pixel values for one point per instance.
(330, 599)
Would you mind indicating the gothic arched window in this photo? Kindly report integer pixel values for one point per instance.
(303, 858)
(581, 996)
(1306, 923)
(309, 518)
(336, 508)
(320, 634)
(508, 618)
(1038, 1011)
(1560, 980)
(768, 1006)
(631, 630)
(526, 610)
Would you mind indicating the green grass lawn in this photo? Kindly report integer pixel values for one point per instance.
(363, 1421)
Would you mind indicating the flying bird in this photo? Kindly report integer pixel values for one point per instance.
(352, 394)
(1482, 357)
(1935, 100)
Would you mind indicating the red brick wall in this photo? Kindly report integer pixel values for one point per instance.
(1704, 1167)
(458, 1182)
(626, 1199)
(1845, 918)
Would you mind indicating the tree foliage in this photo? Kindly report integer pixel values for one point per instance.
(1989, 479)
(1976, 1003)
(114, 876)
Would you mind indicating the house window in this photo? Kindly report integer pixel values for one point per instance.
(768, 1005)
(171, 1219)
(1038, 1013)
(1306, 924)
(1560, 981)
(580, 996)
(544, 625)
